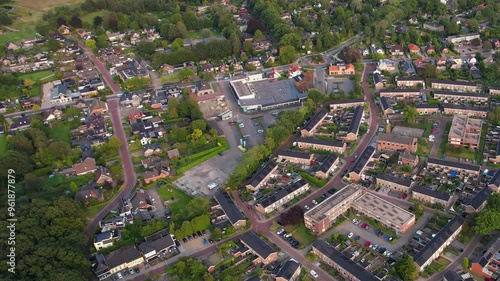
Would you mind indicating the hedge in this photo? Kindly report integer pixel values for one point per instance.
(314, 180)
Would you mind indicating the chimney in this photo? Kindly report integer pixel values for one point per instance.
(388, 128)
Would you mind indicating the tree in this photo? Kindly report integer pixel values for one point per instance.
(291, 39)
(182, 29)
(172, 111)
(293, 216)
(5, 19)
(287, 54)
(75, 21)
(476, 42)
(53, 45)
(409, 114)
(487, 46)
(216, 234)
(185, 74)
(465, 263)
(430, 71)
(406, 268)
(114, 143)
(90, 43)
(102, 41)
(489, 219)
(258, 35)
(2, 119)
(72, 111)
(351, 54)
(317, 96)
(22, 144)
(59, 149)
(97, 21)
(16, 161)
(199, 124)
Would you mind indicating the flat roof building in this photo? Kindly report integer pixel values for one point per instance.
(465, 132)
(322, 216)
(277, 198)
(346, 267)
(390, 215)
(435, 247)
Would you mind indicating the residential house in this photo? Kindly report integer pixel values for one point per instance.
(393, 182)
(87, 195)
(478, 201)
(494, 90)
(400, 94)
(106, 239)
(85, 167)
(494, 183)
(347, 268)
(321, 144)
(392, 142)
(439, 242)
(60, 94)
(294, 71)
(427, 109)
(159, 170)
(322, 216)
(265, 253)
(156, 245)
(465, 132)
(11, 46)
(406, 158)
(295, 157)
(290, 271)
(413, 49)
(262, 176)
(98, 107)
(231, 211)
(357, 170)
(430, 49)
(340, 104)
(386, 64)
(453, 109)
(386, 107)
(456, 39)
(409, 68)
(20, 124)
(397, 50)
(329, 164)
(3, 109)
(357, 119)
(173, 153)
(124, 258)
(102, 175)
(313, 124)
(341, 69)
(115, 36)
(280, 196)
(64, 30)
(378, 80)
(461, 169)
(487, 264)
(459, 86)
(27, 103)
(431, 196)
(203, 88)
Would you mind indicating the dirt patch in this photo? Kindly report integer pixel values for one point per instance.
(213, 108)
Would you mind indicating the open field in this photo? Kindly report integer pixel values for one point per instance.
(45, 5)
(3, 145)
(89, 18)
(181, 199)
(37, 75)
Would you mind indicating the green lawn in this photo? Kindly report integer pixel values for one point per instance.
(3, 145)
(89, 18)
(36, 76)
(302, 234)
(60, 133)
(424, 147)
(168, 191)
(25, 31)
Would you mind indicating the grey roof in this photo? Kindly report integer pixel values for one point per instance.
(478, 200)
(451, 82)
(263, 173)
(395, 138)
(346, 101)
(409, 79)
(122, 255)
(295, 154)
(463, 166)
(451, 275)
(433, 193)
(157, 245)
(59, 89)
(321, 141)
(327, 163)
(276, 195)
(356, 120)
(394, 179)
(459, 106)
(384, 103)
(363, 159)
(426, 105)
(344, 262)
(441, 238)
(377, 78)
(461, 94)
(490, 253)
(496, 179)
(257, 244)
(315, 120)
(401, 90)
(228, 206)
(103, 236)
(288, 269)
(498, 149)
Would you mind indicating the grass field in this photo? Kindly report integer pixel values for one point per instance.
(3, 145)
(45, 5)
(89, 18)
(302, 234)
(37, 75)
(168, 191)
(60, 133)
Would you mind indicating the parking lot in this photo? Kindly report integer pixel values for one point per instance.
(344, 84)
(194, 244)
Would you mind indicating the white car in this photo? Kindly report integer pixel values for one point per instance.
(313, 274)
(280, 231)
(260, 131)
(242, 125)
(350, 235)
(315, 202)
(307, 207)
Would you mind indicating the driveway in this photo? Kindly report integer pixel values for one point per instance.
(157, 202)
(438, 137)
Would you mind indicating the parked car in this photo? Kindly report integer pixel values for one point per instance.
(204, 232)
(367, 244)
(313, 273)
(350, 235)
(315, 202)
(357, 237)
(199, 233)
(190, 237)
(307, 207)
(205, 241)
(288, 235)
(194, 235)
(260, 131)
(280, 231)
(184, 240)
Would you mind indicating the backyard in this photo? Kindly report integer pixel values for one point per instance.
(168, 191)
(37, 76)
(60, 133)
(301, 233)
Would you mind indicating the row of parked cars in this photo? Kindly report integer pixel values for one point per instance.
(323, 197)
(288, 237)
(195, 235)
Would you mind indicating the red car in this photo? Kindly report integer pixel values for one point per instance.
(364, 225)
(404, 196)
(368, 243)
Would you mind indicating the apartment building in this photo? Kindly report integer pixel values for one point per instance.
(494, 90)
(455, 39)
(296, 157)
(342, 69)
(454, 97)
(262, 176)
(322, 216)
(321, 144)
(340, 104)
(435, 247)
(390, 142)
(488, 263)
(427, 109)
(277, 198)
(329, 165)
(410, 82)
(359, 167)
(265, 253)
(461, 169)
(390, 215)
(465, 132)
(453, 109)
(400, 94)
(348, 268)
(353, 130)
(313, 124)
(459, 86)
(392, 182)
(231, 211)
(427, 195)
